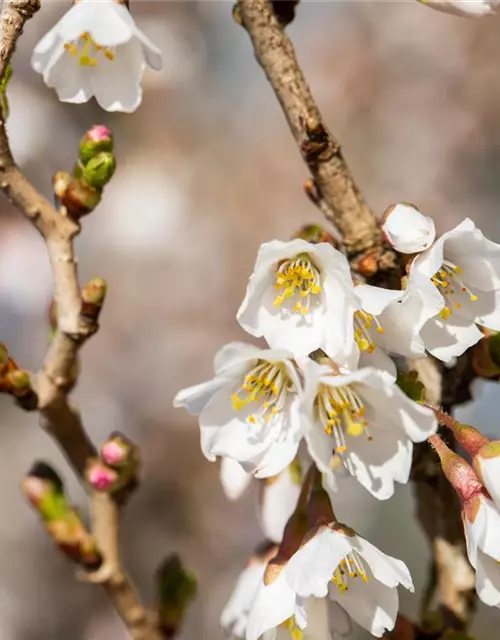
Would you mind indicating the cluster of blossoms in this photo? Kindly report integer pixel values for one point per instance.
(324, 392)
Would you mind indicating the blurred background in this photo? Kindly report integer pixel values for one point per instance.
(207, 170)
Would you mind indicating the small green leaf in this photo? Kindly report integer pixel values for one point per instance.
(409, 383)
(4, 103)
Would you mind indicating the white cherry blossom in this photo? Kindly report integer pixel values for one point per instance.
(365, 419)
(407, 229)
(96, 50)
(389, 322)
(482, 533)
(300, 297)
(460, 273)
(250, 410)
(335, 561)
(464, 8)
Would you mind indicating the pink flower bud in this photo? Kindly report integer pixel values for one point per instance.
(113, 453)
(97, 139)
(406, 229)
(457, 470)
(100, 477)
(99, 132)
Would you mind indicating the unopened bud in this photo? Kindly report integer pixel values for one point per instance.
(120, 452)
(176, 588)
(98, 138)
(458, 471)
(80, 199)
(93, 294)
(100, 477)
(60, 182)
(315, 234)
(99, 170)
(406, 229)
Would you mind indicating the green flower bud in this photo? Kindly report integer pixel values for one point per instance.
(98, 138)
(99, 170)
(176, 588)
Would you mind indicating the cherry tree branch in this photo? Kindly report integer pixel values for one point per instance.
(451, 582)
(59, 372)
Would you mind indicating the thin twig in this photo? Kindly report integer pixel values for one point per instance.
(58, 375)
(344, 205)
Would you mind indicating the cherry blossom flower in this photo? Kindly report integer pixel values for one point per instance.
(389, 322)
(300, 297)
(365, 419)
(250, 410)
(461, 274)
(407, 229)
(465, 8)
(365, 579)
(96, 50)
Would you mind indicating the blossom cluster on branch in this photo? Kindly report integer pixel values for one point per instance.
(320, 408)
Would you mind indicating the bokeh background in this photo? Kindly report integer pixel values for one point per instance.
(207, 171)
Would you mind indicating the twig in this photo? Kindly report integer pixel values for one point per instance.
(58, 375)
(320, 149)
(343, 203)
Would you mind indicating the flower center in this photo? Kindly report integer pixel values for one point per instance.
(267, 384)
(341, 411)
(363, 324)
(297, 280)
(88, 50)
(449, 283)
(350, 567)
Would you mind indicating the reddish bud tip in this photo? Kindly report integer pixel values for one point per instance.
(99, 133)
(458, 471)
(97, 139)
(100, 477)
(113, 453)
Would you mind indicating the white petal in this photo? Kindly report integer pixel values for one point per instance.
(386, 569)
(235, 352)
(477, 257)
(408, 230)
(43, 50)
(486, 309)
(311, 568)
(109, 23)
(464, 8)
(117, 83)
(375, 300)
(491, 533)
(273, 604)
(263, 278)
(70, 80)
(278, 500)
(488, 580)
(234, 616)
(448, 339)
(378, 463)
(234, 479)
(320, 446)
(194, 399)
(474, 532)
(371, 604)
(380, 360)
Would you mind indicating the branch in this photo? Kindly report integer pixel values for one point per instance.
(343, 204)
(58, 375)
(320, 150)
